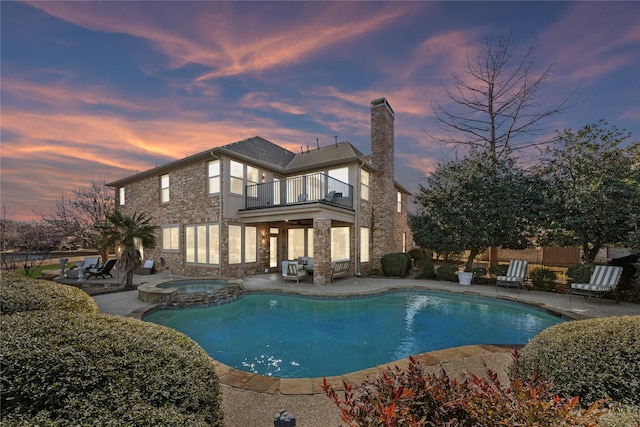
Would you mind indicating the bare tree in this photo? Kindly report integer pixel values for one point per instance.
(497, 102)
(25, 245)
(84, 215)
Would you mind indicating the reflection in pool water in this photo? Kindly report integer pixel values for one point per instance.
(297, 337)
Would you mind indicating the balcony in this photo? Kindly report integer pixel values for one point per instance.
(299, 190)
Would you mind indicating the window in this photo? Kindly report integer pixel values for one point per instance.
(340, 243)
(235, 244)
(250, 244)
(213, 176)
(236, 171)
(364, 244)
(202, 244)
(364, 184)
(295, 243)
(170, 238)
(121, 196)
(310, 242)
(399, 197)
(252, 180)
(340, 174)
(164, 188)
(404, 242)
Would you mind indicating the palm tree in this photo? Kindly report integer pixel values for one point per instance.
(124, 232)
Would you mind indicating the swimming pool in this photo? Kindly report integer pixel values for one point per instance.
(298, 337)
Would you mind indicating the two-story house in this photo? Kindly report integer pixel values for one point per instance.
(245, 207)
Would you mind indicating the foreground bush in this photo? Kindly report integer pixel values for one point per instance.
(413, 398)
(395, 264)
(593, 359)
(60, 368)
(21, 294)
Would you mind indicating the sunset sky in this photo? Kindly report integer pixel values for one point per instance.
(100, 90)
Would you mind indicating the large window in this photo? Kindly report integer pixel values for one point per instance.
(235, 244)
(364, 184)
(295, 243)
(364, 244)
(164, 188)
(213, 177)
(170, 237)
(340, 248)
(236, 175)
(250, 244)
(121, 196)
(202, 244)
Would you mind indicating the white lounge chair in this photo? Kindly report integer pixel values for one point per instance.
(516, 274)
(604, 279)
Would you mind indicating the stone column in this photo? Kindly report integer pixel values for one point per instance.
(321, 251)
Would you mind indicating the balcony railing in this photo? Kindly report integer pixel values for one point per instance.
(312, 188)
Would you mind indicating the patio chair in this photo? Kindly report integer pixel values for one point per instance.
(295, 272)
(515, 276)
(146, 268)
(102, 271)
(604, 279)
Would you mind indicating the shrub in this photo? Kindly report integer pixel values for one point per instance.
(395, 264)
(498, 270)
(426, 269)
(580, 273)
(413, 398)
(61, 368)
(447, 272)
(593, 359)
(543, 279)
(21, 294)
(417, 255)
(479, 273)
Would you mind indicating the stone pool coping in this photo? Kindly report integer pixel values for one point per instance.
(310, 386)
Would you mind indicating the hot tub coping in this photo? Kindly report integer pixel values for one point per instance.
(151, 292)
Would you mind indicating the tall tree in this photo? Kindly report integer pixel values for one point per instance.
(475, 203)
(84, 215)
(126, 232)
(593, 189)
(495, 106)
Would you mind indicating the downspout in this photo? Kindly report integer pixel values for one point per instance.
(219, 217)
(359, 206)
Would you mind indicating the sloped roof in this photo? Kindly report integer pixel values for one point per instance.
(260, 150)
(331, 154)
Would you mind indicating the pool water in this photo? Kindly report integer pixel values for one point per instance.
(297, 337)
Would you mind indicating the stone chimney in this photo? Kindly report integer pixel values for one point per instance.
(383, 188)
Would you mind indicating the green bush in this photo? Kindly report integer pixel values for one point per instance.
(20, 294)
(479, 273)
(61, 368)
(412, 397)
(498, 270)
(593, 359)
(580, 273)
(417, 255)
(447, 272)
(395, 264)
(426, 269)
(543, 279)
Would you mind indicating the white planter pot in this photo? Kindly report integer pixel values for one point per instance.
(465, 278)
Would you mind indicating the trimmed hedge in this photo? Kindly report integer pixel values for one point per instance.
(426, 269)
(447, 272)
(20, 294)
(395, 264)
(593, 359)
(61, 368)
